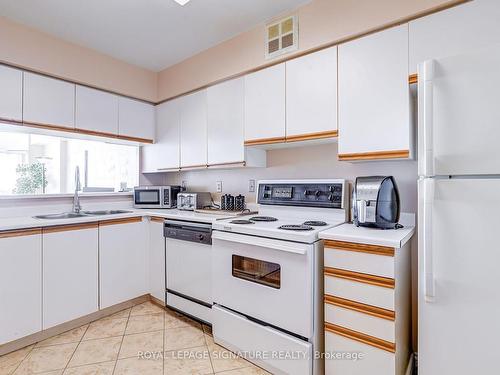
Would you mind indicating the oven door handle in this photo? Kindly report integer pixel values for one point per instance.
(289, 247)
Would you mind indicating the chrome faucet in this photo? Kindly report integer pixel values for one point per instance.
(76, 199)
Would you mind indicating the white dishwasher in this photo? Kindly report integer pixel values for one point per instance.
(188, 256)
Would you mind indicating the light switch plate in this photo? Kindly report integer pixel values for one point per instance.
(218, 186)
(251, 186)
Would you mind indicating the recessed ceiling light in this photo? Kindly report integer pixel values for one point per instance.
(182, 2)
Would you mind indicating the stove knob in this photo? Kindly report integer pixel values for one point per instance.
(331, 197)
(317, 193)
(331, 189)
(306, 193)
(201, 237)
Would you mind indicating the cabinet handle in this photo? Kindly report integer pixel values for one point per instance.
(426, 118)
(426, 243)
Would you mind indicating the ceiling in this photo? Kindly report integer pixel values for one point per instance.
(153, 34)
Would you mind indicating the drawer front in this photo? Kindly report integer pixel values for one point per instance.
(368, 294)
(359, 321)
(368, 259)
(373, 361)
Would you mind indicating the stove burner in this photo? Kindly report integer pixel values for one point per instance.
(242, 222)
(263, 218)
(315, 223)
(296, 227)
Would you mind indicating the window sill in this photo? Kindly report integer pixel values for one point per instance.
(49, 196)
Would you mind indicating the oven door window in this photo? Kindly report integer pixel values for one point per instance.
(147, 197)
(257, 271)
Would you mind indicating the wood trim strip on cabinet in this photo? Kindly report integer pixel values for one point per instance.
(361, 337)
(264, 141)
(312, 136)
(70, 227)
(20, 232)
(358, 247)
(128, 220)
(157, 219)
(365, 278)
(168, 170)
(196, 166)
(360, 307)
(413, 78)
(10, 121)
(376, 155)
(229, 164)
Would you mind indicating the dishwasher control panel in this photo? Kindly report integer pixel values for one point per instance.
(188, 231)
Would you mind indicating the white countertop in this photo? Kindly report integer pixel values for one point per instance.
(24, 222)
(396, 238)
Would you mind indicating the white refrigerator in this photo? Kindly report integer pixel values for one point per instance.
(459, 214)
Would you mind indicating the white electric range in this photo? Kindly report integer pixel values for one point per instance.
(267, 274)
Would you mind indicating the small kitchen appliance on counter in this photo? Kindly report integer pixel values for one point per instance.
(193, 201)
(156, 196)
(375, 202)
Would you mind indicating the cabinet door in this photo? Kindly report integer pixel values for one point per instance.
(20, 285)
(454, 31)
(265, 105)
(164, 154)
(311, 94)
(374, 102)
(123, 246)
(157, 259)
(48, 101)
(226, 122)
(193, 130)
(136, 119)
(11, 94)
(96, 110)
(70, 273)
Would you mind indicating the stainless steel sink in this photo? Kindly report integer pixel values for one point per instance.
(65, 215)
(105, 212)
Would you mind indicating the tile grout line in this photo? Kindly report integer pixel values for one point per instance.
(25, 357)
(76, 347)
(209, 350)
(121, 343)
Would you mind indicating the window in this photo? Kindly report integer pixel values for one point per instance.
(41, 164)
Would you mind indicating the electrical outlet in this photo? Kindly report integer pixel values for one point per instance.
(183, 185)
(251, 186)
(218, 185)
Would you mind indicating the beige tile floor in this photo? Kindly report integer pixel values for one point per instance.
(172, 343)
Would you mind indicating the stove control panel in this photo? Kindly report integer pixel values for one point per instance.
(322, 194)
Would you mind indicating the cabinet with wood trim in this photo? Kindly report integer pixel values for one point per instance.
(374, 97)
(136, 119)
(193, 130)
(123, 265)
(70, 272)
(96, 111)
(367, 305)
(11, 94)
(20, 284)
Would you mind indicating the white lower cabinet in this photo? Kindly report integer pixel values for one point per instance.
(70, 278)
(156, 259)
(20, 284)
(122, 260)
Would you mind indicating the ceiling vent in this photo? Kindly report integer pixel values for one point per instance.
(282, 37)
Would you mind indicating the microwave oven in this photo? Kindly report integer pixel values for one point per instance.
(156, 196)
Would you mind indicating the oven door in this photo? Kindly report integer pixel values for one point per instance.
(266, 279)
(148, 198)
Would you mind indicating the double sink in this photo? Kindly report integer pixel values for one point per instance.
(74, 215)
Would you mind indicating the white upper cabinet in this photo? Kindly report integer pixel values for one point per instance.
(48, 101)
(164, 154)
(96, 110)
(454, 31)
(265, 105)
(136, 119)
(226, 122)
(311, 94)
(374, 96)
(193, 129)
(11, 93)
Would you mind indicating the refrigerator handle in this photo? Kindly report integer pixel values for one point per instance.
(425, 118)
(429, 280)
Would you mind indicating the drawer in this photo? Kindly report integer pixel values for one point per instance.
(373, 360)
(370, 259)
(369, 290)
(372, 321)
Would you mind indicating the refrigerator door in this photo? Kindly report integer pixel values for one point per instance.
(459, 114)
(459, 319)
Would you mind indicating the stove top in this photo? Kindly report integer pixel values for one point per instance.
(263, 218)
(242, 222)
(315, 223)
(295, 227)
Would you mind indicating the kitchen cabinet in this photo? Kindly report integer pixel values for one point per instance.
(136, 119)
(193, 129)
(311, 96)
(454, 31)
(20, 284)
(265, 106)
(70, 272)
(226, 115)
(48, 101)
(374, 97)
(11, 94)
(164, 154)
(157, 259)
(96, 110)
(123, 245)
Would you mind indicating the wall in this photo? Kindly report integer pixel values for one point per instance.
(321, 22)
(34, 50)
